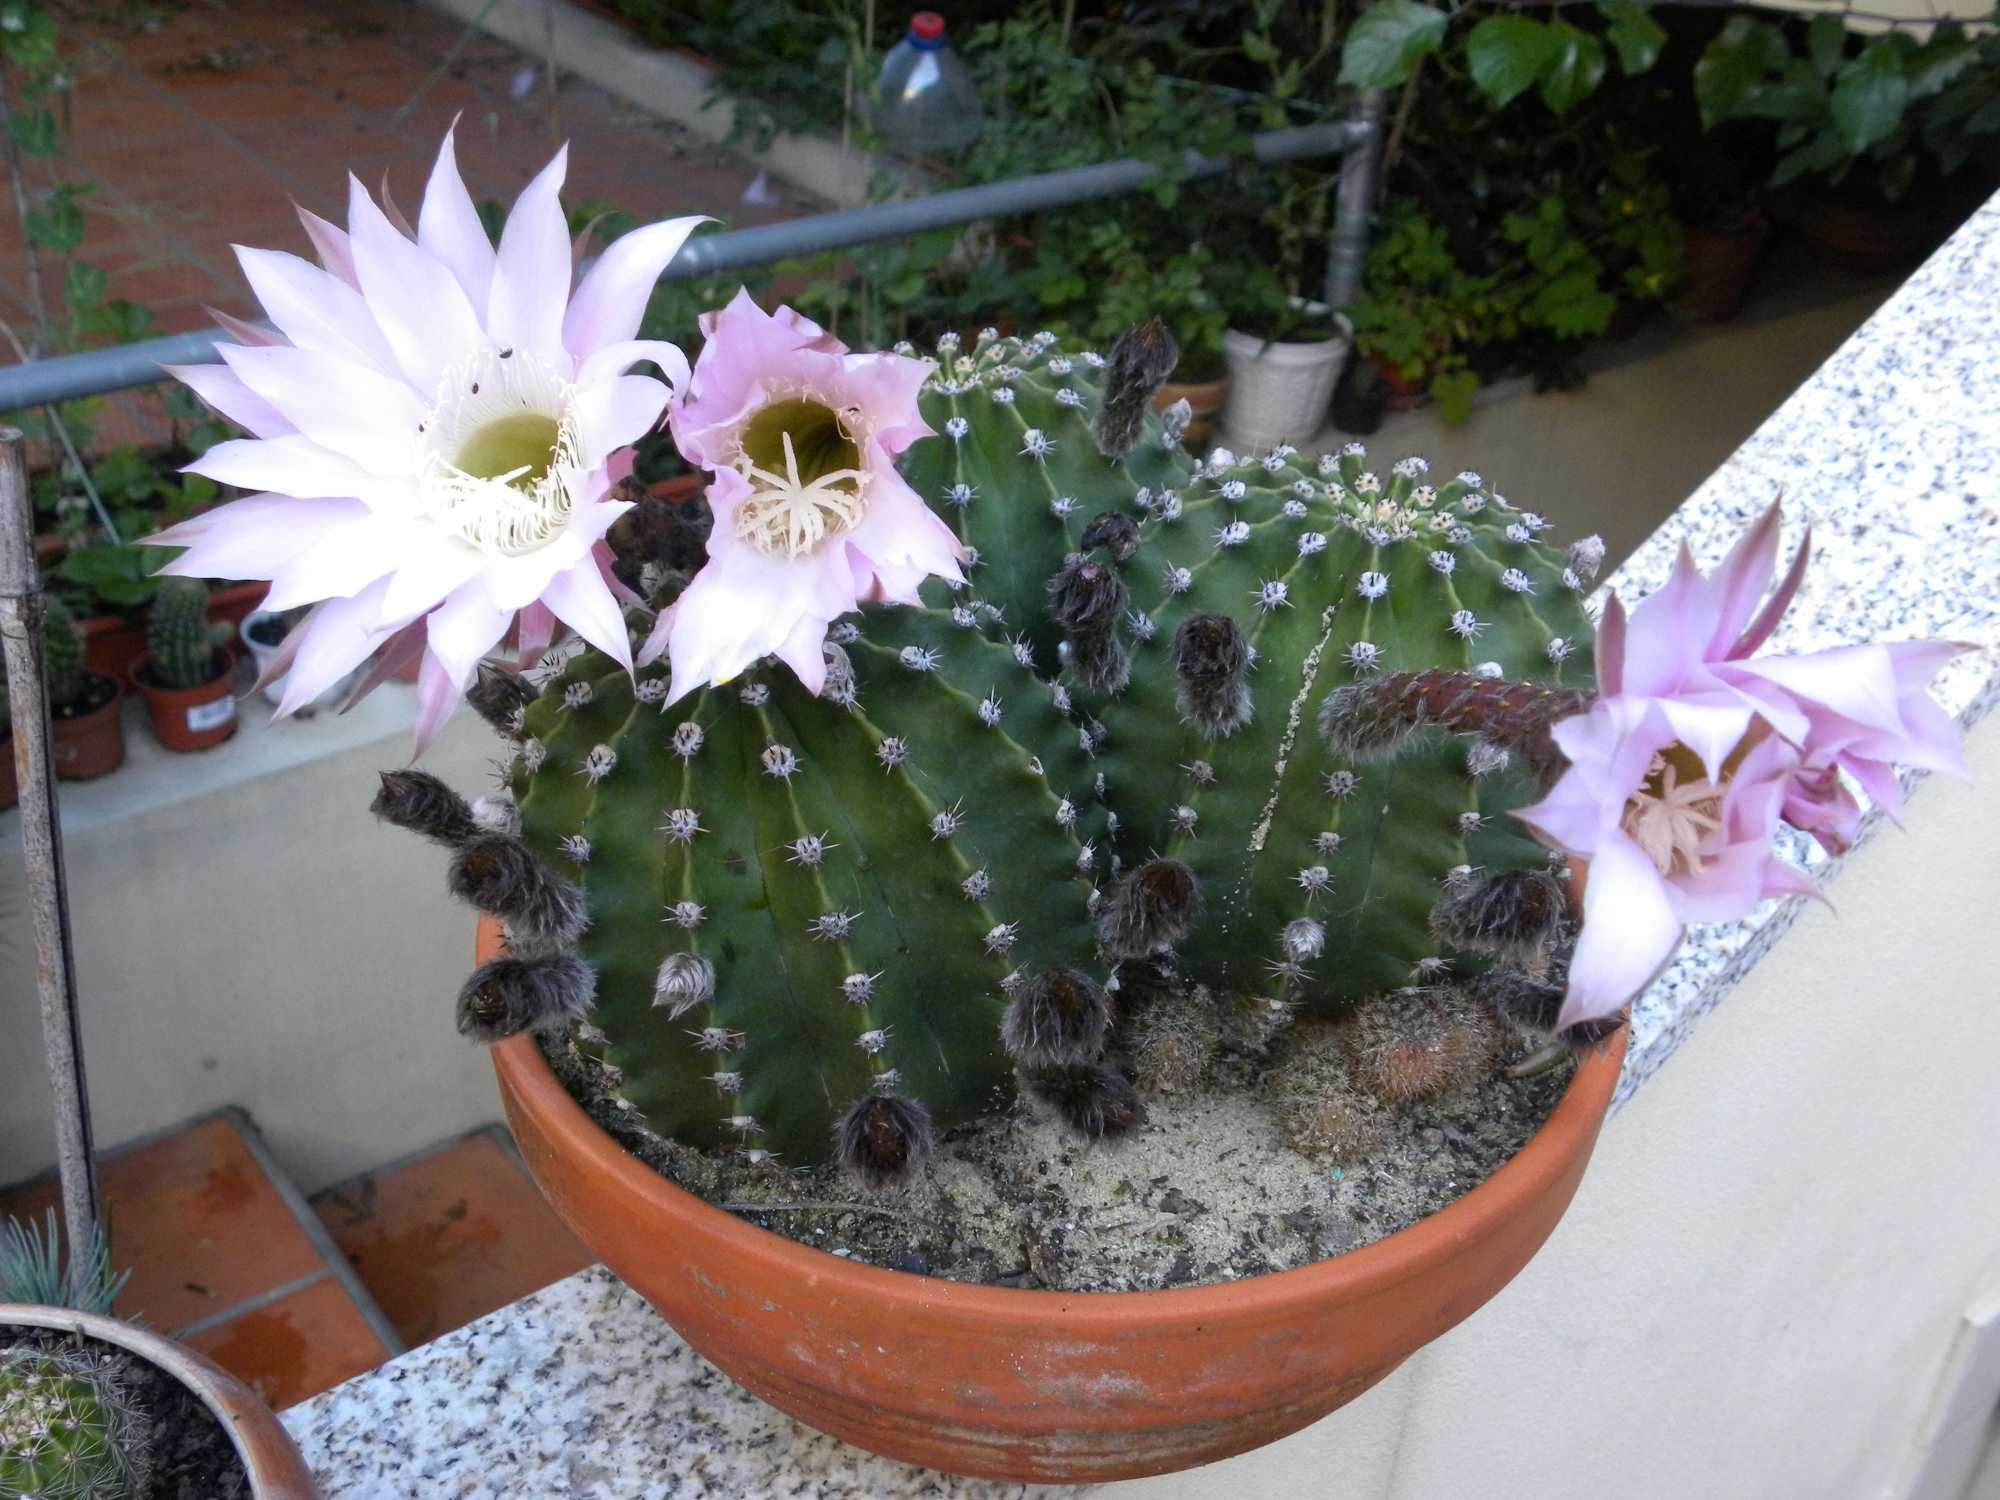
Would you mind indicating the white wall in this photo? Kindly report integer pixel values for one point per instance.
(1756, 1287)
(265, 943)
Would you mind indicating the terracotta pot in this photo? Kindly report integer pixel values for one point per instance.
(1032, 1385)
(112, 646)
(92, 744)
(270, 1457)
(196, 718)
(1720, 263)
(1405, 394)
(1863, 235)
(10, 791)
(1205, 398)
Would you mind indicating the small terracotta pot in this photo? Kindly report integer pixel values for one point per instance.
(1065, 1387)
(196, 718)
(269, 1455)
(10, 791)
(1205, 398)
(1720, 263)
(1863, 235)
(112, 645)
(93, 744)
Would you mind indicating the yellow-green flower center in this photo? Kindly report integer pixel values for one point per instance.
(803, 462)
(497, 440)
(519, 449)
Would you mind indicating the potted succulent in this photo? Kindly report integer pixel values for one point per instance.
(913, 811)
(86, 729)
(91, 1405)
(186, 676)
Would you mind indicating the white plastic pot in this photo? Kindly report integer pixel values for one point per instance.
(274, 691)
(1280, 392)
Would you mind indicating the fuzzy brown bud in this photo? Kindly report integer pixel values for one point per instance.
(1212, 674)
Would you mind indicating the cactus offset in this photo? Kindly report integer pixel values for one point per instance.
(180, 641)
(69, 1429)
(62, 655)
(832, 925)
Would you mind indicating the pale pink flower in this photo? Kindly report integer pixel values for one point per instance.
(1681, 770)
(435, 426)
(811, 518)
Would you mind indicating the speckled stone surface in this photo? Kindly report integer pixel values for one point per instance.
(1891, 452)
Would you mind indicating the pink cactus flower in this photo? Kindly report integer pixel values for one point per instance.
(436, 427)
(811, 518)
(1682, 769)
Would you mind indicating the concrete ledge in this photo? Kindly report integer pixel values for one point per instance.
(669, 85)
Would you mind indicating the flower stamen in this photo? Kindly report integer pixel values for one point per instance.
(1668, 818)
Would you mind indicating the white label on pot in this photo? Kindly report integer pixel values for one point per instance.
(212, 715)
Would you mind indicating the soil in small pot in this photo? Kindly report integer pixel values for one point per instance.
(193, 1457)
(89, 734)
(1206, 1191)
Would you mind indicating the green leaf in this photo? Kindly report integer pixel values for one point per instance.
(1575, 72)
(1869, 97)
(1826, 44)
(1453, 394)
(1387, 40)
(83, 286)
(1506, 54)
(1938, 63)
(1733, 64)
(1633, 34)
(58, 223)
(34, 131)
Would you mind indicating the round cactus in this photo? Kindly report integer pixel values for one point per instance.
(1152, 733)
(179, 638)
(69, 1429)
(62, 653)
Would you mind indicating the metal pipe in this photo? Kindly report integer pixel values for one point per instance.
(1354, 202)
(41, 843)
(98, 370)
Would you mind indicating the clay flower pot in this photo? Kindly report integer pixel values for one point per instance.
(271, 1459)
(1062, 1387)
(111, 645)
(1720, 263)
(92, 743)
(196, 718)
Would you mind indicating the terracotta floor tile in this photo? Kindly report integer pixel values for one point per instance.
(305, 1342)
(450, 1236)
(198, 1222)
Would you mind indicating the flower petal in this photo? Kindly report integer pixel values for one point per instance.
(611, 299)
(448, 225)
(330, 244)
(613, 413)
(255, 537)
(347, 559)
(580, 600)
(438, 697)
(333, 642)
(416, 300)
(315, 310)
(616, 359)
(1734, 588)
(530, 291)
(224, 391)
(1629, 930)
(289, 465)
(1760, 629)
(373, 423)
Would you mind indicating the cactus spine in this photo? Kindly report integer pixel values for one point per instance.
(1101, 756)
(179, 638)
(69, 1429)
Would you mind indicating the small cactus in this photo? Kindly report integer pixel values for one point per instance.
(70, 1428)
(62, 655)
(1058, 826)
(180, 641)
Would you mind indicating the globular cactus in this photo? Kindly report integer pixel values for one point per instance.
(180, 641)
(69, 1429)
(62, 654)
(834, 925)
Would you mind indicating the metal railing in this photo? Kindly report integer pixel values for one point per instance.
(1356, 140)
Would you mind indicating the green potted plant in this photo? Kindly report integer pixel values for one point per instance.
(186, 675)
(87, 729)
(91, 1405)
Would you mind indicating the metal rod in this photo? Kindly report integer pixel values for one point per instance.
(98, 370)
(1354, 203)
(41, 843)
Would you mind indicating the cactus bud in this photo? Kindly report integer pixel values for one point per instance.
(1373, 719)
(1172, 1041)
(1114, 532)
(499, 874)
(1058, 1017)
(1320, 1109)
(1533, 1001)
(883, 1138)
(1141, 361)
(1514, 913)
(1150, 910)
(507, 996)
(1094, 1097)
(1212, 673)
(418, 801)
(1087, 600)
(498, 697)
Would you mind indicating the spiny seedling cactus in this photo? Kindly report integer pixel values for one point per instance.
(62, 655)
(180, 641)
(69, 1428)
(1033, 827)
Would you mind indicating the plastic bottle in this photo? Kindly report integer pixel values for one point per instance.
(926, 102)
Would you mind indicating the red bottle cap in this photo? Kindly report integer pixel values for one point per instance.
(927, 26)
